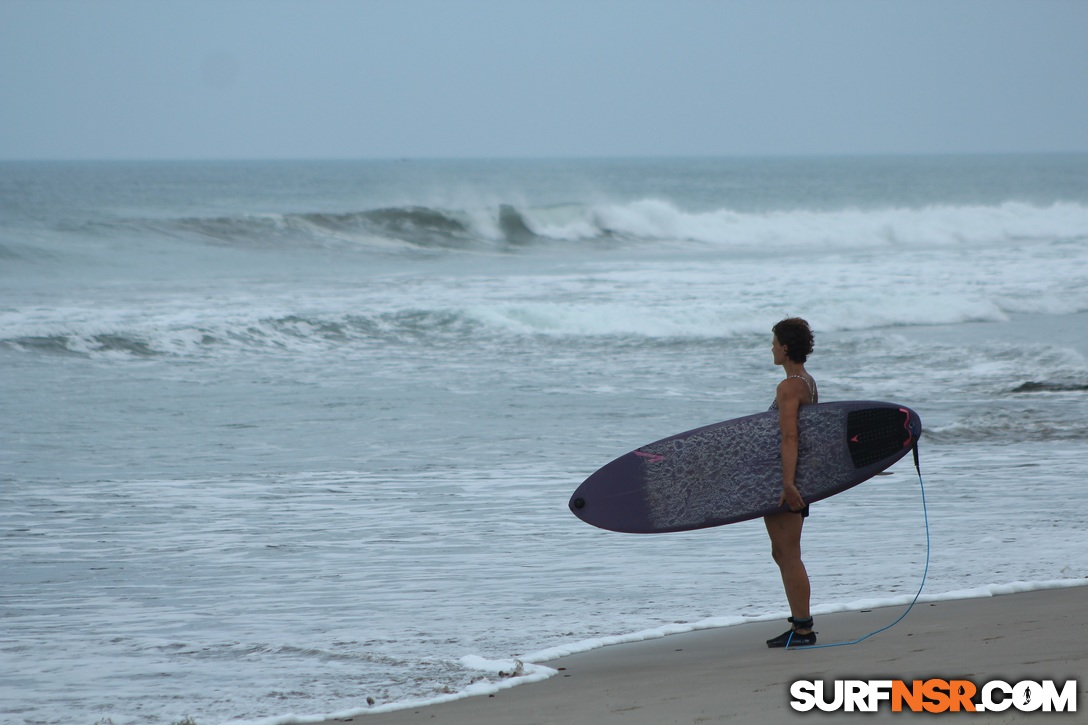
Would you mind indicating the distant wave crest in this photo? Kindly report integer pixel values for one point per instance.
(507, 227)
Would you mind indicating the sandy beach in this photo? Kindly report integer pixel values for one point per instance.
(729, 675)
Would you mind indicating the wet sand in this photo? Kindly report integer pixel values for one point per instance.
(729, 675)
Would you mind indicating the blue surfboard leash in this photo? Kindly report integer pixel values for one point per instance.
(925, 572)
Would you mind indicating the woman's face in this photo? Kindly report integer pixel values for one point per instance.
(778, 350)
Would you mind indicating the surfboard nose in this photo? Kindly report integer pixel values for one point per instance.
(612, 497)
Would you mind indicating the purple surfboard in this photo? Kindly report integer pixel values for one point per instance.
(731, 471)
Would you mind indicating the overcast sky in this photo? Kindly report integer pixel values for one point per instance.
(209, 79)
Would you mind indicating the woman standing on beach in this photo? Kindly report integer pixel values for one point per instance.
(791, 345)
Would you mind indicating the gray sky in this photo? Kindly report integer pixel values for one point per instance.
(235, 79)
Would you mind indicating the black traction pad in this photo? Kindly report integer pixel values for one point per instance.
(876, 433)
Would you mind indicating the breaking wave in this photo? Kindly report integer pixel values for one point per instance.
(507, 227)
(290, 333)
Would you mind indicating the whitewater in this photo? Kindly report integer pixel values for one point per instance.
(290, 439)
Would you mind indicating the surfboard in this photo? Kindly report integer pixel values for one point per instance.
(731, 471)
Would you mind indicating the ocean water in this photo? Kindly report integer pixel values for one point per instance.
(281, 437)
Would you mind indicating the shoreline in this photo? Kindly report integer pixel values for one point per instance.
(727, 674)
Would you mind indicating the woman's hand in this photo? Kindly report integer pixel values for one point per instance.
(791, 497)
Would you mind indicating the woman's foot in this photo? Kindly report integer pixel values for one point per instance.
(801, 635)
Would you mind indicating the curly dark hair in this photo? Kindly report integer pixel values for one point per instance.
(795, 334)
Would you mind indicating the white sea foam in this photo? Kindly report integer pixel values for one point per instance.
(982, 592)
(654, 297)
(894, 228)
